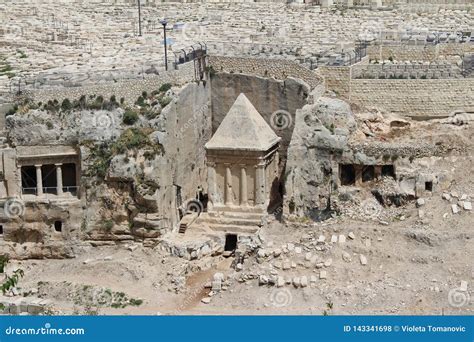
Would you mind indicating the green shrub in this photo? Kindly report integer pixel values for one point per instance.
(101, 156)
(135, 302)
(165, 87)
(12, 111)
(66, 105)
(97, 104)
(107, 225)
(140, 101)
(130, 139)
(129, 117)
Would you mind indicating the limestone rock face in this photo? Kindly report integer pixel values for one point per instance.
(40, 127)
(130, 172)
(321, 129)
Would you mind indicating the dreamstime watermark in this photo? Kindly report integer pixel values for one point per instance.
(458, 297)
(194, 206)
(193, 32)
(191, 122)
(280, 120)
(14, 208)
(46, 330)
(103, 121)
(281, 298)
(193, 296)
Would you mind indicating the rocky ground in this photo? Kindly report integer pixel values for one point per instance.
(403, 264)
(364, 259)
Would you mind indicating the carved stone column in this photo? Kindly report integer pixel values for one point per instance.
(39, 181)
(260, 184)
(228, 184)
(59, 179)
(214, 198)
(243, 186)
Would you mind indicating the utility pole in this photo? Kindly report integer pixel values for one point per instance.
(164, 22)
(139, 19)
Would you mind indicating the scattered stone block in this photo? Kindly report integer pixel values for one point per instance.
(298, 250)
(206, 300)
(346, 257)
(463, 286)
(363, 260)
(321, 238)
(467, 205)
(280, 281)
(304, 281)
(262, 280)
(455, 208)
(219, 276)
(308, 256)
(342, 238)
(446, 197)
(277, 252)
(296, 282)
(420, 202)
(333, 238)
(328, 262)
(421, 213)
(323, 275)
(351, 236)
(290, 247)
(216, 286)
(131, 248)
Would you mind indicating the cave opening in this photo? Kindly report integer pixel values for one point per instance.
(230, 242)
(347, 174)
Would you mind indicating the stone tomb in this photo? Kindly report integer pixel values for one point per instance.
(242, 161)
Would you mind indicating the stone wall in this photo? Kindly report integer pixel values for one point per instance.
(129, 89)
(434, 93)
(415, 98)
(405, 70)
(423, 52)
(273, 68)
(337, 79)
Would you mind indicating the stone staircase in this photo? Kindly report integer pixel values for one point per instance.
(232, 221)
(187, 221)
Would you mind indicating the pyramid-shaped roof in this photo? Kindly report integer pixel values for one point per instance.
(243, 128)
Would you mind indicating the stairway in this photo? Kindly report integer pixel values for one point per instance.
(232, 222)
(188, 219)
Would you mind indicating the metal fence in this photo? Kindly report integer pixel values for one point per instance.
(49, 190)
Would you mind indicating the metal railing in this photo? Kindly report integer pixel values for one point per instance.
(190, 53)
(49, 190)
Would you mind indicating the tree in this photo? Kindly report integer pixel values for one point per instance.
(9, 281)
